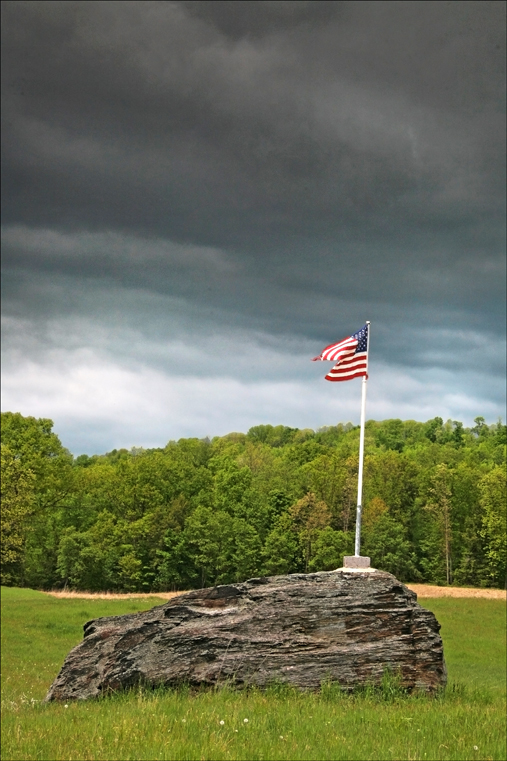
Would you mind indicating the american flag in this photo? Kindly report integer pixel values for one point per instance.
(352, 356)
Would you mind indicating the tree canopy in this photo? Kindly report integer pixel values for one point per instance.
(274, 500)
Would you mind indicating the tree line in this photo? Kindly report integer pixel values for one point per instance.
(274, 500)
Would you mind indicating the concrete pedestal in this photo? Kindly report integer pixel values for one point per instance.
(356, 561)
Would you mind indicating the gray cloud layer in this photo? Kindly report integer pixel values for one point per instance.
(261, 174)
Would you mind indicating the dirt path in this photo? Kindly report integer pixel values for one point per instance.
(426, 590)
(422, 590)
(111, 595)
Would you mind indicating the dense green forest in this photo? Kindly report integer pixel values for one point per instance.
(275, 500)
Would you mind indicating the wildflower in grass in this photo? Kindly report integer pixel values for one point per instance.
(222, 722)
(66, 706)
(245, 721)
(475, 747)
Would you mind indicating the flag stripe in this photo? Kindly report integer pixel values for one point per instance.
(358, 374)
(334, 351)
(355, 359)
(349, 368)
(335, 355)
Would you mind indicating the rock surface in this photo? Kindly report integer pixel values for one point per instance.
(300, 629)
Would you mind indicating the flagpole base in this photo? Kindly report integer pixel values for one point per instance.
(356, 561)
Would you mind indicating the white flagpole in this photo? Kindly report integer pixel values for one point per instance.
(361, 452)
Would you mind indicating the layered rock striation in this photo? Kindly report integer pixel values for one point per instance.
(301, 629)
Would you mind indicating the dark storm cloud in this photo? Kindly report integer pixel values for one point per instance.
(254, 20)
(144, 115)
(284, 167)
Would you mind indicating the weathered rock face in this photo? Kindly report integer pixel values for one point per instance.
(300, 629)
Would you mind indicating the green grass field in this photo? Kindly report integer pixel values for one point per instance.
(467, 722)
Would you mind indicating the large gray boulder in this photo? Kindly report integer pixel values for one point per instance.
(301, 629)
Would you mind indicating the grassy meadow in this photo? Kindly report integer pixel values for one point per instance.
(466, 722)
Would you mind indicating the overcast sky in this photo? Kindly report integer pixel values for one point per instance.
(199, 196)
